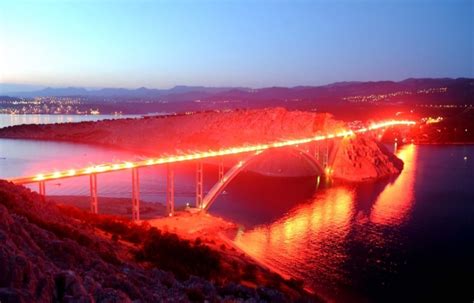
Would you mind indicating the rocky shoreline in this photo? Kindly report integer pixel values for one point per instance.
(52, 253)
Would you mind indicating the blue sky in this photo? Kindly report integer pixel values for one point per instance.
(232, 43)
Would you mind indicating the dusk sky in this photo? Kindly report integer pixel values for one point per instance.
(160, 44)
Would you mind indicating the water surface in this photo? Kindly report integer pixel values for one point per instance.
(410, 237)
(10, 120)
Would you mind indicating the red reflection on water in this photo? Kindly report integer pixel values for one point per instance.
(325, 220)
(312, 239)
(394, 204)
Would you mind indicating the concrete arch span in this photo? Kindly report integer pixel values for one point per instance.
(217, 189)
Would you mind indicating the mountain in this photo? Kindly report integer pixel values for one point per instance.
(142, 92)
(410, 90)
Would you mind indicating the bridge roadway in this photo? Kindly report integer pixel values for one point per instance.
(201, 201)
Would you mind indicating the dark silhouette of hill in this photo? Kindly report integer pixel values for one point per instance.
(142, 92)
(460, 90)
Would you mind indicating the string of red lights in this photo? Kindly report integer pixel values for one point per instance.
(109, 167)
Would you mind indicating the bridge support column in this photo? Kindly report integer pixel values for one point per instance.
(326, 154)
(170, 190)
(93, 186)
(42, 189)
(199, 184)
(221, 171)
(316, 151)
(135, 195)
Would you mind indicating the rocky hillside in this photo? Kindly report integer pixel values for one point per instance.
(362, 158)
(46, 255)
(158, 135)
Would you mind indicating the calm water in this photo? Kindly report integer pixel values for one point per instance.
(410, 238)
(10, 120)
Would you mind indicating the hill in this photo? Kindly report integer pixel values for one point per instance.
(53, 253)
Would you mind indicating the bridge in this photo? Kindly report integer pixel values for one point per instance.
(318, 151)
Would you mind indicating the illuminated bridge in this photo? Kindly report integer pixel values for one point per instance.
(318, 150)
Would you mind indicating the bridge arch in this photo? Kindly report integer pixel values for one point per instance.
(217, 189)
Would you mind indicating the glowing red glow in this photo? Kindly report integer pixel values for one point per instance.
(326, 220)
(395, 202)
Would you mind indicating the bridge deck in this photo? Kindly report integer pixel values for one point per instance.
(110, 167)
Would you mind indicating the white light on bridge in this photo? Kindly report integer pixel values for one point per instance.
(39, 177)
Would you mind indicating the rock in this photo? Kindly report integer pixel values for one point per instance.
(271, 295)
(69, 288)
(110, 295)
(11, 295)
(238, 290)
(362, 158)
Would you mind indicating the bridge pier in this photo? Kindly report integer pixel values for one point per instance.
(93, 188)
(316, 151)
(135, 195)
(42, 189)
(170, 190)
(199, 184)
(221, 171)
(326, 153)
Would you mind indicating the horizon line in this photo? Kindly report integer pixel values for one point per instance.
(97, 88)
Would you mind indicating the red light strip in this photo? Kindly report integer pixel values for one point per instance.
(109, 167)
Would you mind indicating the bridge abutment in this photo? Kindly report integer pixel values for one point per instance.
(135, 195)
(199, 184)
(221, 171)
(170, 190)
(93, 189)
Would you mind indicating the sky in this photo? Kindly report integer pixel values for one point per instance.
(159, 44)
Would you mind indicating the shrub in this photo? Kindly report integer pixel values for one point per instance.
(115, 237)
(250, 272)
(167, 251)
(195, 295)
(295, 283)
(198, 241)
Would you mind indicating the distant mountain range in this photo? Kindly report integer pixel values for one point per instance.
(460, 88)
(106, 92)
